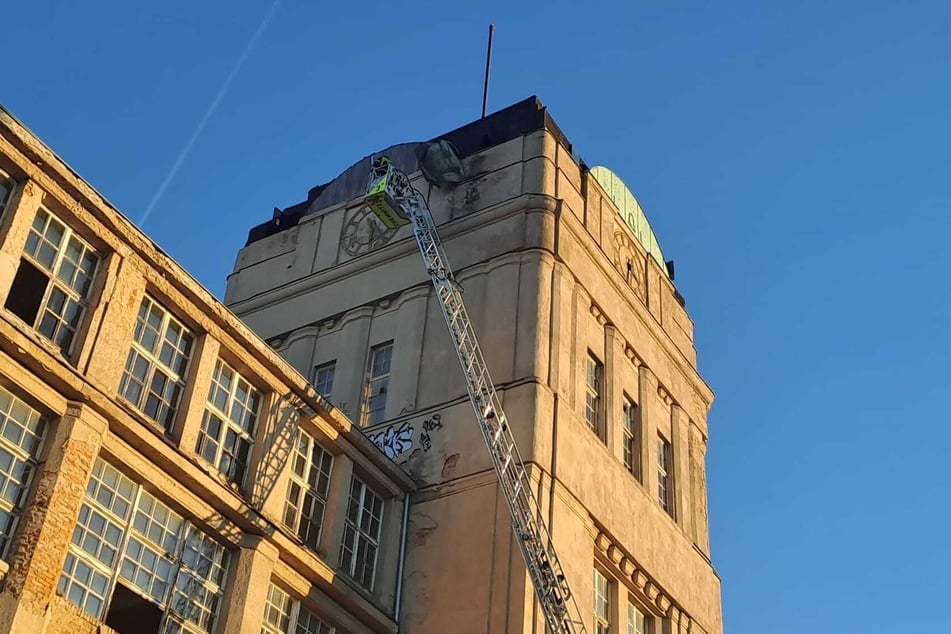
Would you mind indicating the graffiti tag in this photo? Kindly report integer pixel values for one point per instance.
(394, 440)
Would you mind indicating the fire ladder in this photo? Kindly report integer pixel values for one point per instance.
(396, 202)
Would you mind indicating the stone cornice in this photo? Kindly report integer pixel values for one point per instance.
(626, 569)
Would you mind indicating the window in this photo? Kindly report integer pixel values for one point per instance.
(663, 476)
(307, 490)
(6, 191)
(637, 623)
(361, 534)
(324, 379)
(170, 574)
(602, 604)
(50, 290)
(592, 403)
(378, 380)
(21, 436)
(284, 615)
(632, 449)
(154, 374)
(227, 427)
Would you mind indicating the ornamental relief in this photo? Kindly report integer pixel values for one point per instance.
(364, 232)
(629, 262)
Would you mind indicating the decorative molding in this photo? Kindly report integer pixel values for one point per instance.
(598, 314)
(625, 568)
(632, 356)
(665, 395)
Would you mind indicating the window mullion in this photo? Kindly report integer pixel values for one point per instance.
(295, 615)
(179, 557)
(121, 548)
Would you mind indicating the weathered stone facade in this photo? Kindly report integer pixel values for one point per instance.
(559, 289)
(163, 469)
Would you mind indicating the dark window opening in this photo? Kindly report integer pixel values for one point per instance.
(26, 293)
(131, 613)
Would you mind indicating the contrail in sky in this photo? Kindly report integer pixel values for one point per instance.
(208, 113)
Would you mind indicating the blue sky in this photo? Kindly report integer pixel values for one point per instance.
(792, 157)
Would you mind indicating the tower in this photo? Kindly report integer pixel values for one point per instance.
(586, 337)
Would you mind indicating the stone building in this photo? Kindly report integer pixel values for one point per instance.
(586, 337)
(161, 467)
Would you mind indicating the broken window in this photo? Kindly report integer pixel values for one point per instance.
(50, 290)
(170, 574)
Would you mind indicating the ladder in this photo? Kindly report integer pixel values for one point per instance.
(391, 196)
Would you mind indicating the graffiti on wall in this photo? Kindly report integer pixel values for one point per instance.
(394, 440)
(430, 424)
(397, 439)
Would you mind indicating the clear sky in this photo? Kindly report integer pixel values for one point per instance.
(793, 158)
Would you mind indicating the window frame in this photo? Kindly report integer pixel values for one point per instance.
(22, 458)
(594, 384)
(11, 188)
(332, 367)
(126, 530)
(54, 282)
(373, 416)
(602, 602)
(665, 481)
(291, 610)
(302, 482)
(174, 378)
(353, 527)
(630, 436)
(646, 619)
(243, 431)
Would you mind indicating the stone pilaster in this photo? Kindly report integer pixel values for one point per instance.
(612, 407)
(698, 486)
(407, 351)
(251, 567)
(352, 361)
(679, 424)
(46, 525)
(192, 406)
(331, 534)
(647, 426)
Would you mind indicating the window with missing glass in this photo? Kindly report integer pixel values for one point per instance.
(373, 410)
(154, 375)
(285, 615)
(594, 372)
(307, 490)
(227, 426)
(51, 287)
(136, 564)
(22, 430)
(361, 534)
(324, 379)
